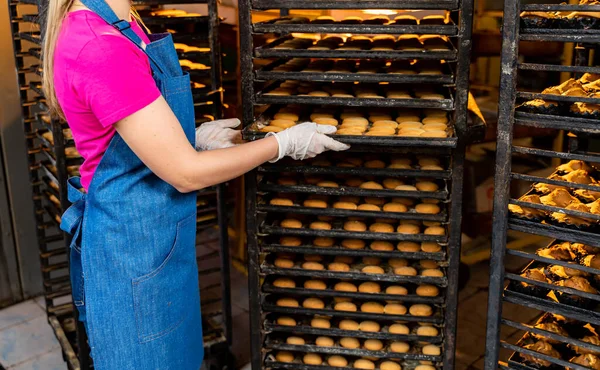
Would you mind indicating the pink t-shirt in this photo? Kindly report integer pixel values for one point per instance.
(100, 77)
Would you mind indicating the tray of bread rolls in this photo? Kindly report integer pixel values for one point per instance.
(408, 46)
(326, 70)
(352, 4)
(406, 23)
(301, 361)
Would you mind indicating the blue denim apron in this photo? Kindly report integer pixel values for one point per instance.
(133, 260)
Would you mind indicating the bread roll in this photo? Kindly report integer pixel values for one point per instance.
(380, 245)
(283, 123)
(344, 286)
(345, 306)
(426, 290)
(389, 365)
(408, 118)
(290, 241)
(396, 290)
(314, 203)
(320, 225)
(373, 345)
(372, 307)
(296, 341)
(405, 188)
(284, 283)
(320, 323)
(313, 266)
(372, 185)
(395, 207)
(286, 321)
(387, 123)
(399, 329)
(323, 242)
(350, 199)
(349, 325)
(435, 127)
(432, 350)
(281, 202)
(313, 303)
(428, 264)
(364, 364)
(372, 270)
(318, 115)
(409, 229)
(353, 244)
(356, 121)
(376, 201)
(287, 302)
(430, 247)
(337, 361)
(398, 262)
(283, 263)
(357, 226)
(312, 359)
(425, 367)
(326, 121)
(394, 309)
(427, 331)
(405, 271)
(421, 310)
(432, 273)
(378, 117)
(338, 266)
(345, 205)
(369, 208)
(291, 223)
(431, 209)
(379, 227)
(315, 285)
(434, 133)
(427, 186)
(410, 125)
(381, 132)
(369, 287)
(286, 116)
(399, 347)
(391, 183)
(351, 343)
(409, 247)
(284, 356)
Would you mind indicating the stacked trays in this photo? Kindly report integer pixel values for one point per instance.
(52, 158)
(560, 280)
(353, 256)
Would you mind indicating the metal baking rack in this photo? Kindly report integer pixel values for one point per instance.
(264, 230)
(579, 128)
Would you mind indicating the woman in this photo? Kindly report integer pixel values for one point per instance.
(129, 106)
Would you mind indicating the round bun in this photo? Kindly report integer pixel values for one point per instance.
(349, 325)
(344, 286)
(430, 209)
(397, 262)
(324, 342)
(291, 223)
(312, 359)
(315, 285)
(399, 347)
(314, 203)
(286, 321)
(345, 205)
(430, 247)
(391, 183)
(364, 364)
(427, 331)
(421, 310)
(371, 185)
(312, 266)
(320, 323)
(369, 326)
(427, 186)
(323, 242)
(400, 329)
(395, 207)
(286, 116)
(351, 343)
(435, 230)
(379, 227)
(369, 287)
(409, 247)
(374, 200)
(338, 266)
(389, 365)
(409, 229)
(380, 245)
(320, 225)
(373, 345)
(369, 207)
(372, 307)
(281, 202)
(358, 121)
(432, 273)
(405, 271)
(287, 302)
(284, 283)
(396, 290)
(296, 341)
(345, 306)
(428, 290)
(394, 309)
(355, 226)
(313, 303)
(290, 241)
(337, 361)
(326, 121)
(353, 243)
(283, 123)
(284, 356)
(431, 350)
(373, 270)
(283, 263)
(425, 367)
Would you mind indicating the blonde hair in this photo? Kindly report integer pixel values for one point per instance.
(56, 12)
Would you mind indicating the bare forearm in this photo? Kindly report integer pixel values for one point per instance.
(213, 167)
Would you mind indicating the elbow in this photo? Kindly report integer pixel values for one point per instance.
(187, 184)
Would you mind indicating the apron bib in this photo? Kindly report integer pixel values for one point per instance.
(133, 258)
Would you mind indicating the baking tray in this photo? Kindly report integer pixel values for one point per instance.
(557, 98)
(352, 4)
(357, 171)
(559, 122)
(560, 35)
(338, 27)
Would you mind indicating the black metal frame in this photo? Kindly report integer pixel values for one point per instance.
(499, 292)
(260, 228)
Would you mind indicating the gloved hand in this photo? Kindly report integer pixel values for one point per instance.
(306, 140)
(218, 134)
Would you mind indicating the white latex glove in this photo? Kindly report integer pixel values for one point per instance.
(218, 134)
(306, 140)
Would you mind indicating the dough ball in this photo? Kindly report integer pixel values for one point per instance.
(284, 356)
(338, 266)
(432, 350)
(364, 364)
(284, 283)
(372, 307)
(399, 329)
(396, 290)
(351, 343)
(409, 247)
(312, 266)
(337, 361)
(323, 242)
(290, 241)
(369, 326)
(315, 285)
(296, 341)
(405, 271)
(286, 321)
(427, 331)
(353, 244)
(395, 207)
(345, 306)
(344, 286)
(291, 223)
(398, 262)
(373, 270)
(283, 263)
(379, 227)
(357, 226)
(421, 310)
(349, 325)
(394, 309)
(369, 287)
(320, 323)
(281, 202)
(389, 365)
(324, 342)
(379, 245)
(320, 225)
(287, 302)
(313, 303)
(373, 345)
(430, 247)
(399, 347)
(312, 359)
(428, 290)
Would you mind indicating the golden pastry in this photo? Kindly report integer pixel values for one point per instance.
(326, 121)
(399, 347)
(364, 364)
(320, 225)
(429, 264)
(355, 226)
(373, 345)
(287, 302)
(389, 365)
(290, 241)
(369, 207)
(344, 286)
(324, 342)
(353, 244)
(369, 326)
(379, 245)
(369, 287)
(372, 270)
(284, 283)
(314, 203)
(323, 242)
(271, 129)
(379, 227)
(284, 356)
(385, 124)
(405, 271)
(345, 205)
(283, 123)
(373, 200)
(428, 290)
(435, 230)
(312, 266)
(313, 303)
(408, 247)
(410, 125)
(432, 273)
(377, 117)
(338, 266)
(396, 290)
(286, 321)
(315, 116)
(405, 188)
(432, 350)
(430, 247)
(312, 359)
(356, 121)
(320, 323)
(421, 310)
(351, 343)
(372, 307)
(296, 341)
(408, 229)
(381, 132)
(283, 263)
(434, 133)
(349, 325)
(395, 207)
(371, 185)
(427, 331)
(315, 285)
(399, 329)
(337, 361)
(431, 209)
(345, 306)
(313, 258)
(394, 309)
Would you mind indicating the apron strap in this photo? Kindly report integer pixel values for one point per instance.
(105, 12)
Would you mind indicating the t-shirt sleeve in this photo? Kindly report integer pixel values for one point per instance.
(113, 78)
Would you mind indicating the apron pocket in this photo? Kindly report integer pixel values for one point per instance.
(160, 298)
